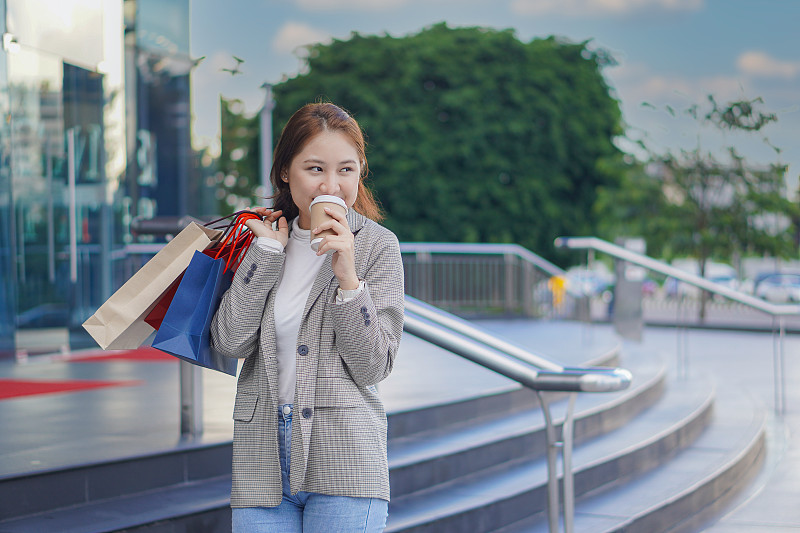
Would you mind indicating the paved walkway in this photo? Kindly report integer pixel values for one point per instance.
(139, 413)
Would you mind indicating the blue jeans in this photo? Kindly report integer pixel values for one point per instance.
(309, 512)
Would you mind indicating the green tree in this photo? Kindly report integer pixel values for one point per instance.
(474, 136)
(238, 177)
(698, 204)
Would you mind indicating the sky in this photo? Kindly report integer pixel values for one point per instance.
(669, 53)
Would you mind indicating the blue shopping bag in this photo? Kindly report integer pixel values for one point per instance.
(184, 332)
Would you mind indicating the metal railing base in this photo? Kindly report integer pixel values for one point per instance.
(564, 445)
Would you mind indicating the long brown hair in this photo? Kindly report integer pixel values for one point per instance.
(308, 121)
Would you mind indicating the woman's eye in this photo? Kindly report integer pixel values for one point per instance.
(347, 169)
(316, 169)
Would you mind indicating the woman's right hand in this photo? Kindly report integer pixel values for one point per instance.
(264, 228)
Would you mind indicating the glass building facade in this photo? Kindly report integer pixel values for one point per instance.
(94, 96)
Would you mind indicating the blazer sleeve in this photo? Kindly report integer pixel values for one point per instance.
(368, 327)
(237, 322)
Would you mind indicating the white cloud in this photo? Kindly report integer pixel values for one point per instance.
(333, 5)
(762, 65)
(667, 95)
(600, 7)
(637, 83)
(294, 34)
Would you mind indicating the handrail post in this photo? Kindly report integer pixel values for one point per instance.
(553, 447)
(508, 275)
(423, 267)
(778, 361)
(527, 290)
(191, 392)
(567, 436)
(682, 332)
(552, 465)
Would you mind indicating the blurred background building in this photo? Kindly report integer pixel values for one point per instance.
(96, 128)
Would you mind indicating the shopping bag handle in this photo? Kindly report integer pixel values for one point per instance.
(228, 226)
(237, 237)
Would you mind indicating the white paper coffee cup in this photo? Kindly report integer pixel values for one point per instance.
(318, 215)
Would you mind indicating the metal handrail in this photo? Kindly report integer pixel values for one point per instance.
(530, 370)
(778, 311)
(450, 321)
(548, 375)
(449, 332)
(692, 279)
(482, 249)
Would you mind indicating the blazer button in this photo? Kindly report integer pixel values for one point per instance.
(247, 279)
(363, 310)
(253, 267)
(367, 323)
(307, 412)
(302, 350)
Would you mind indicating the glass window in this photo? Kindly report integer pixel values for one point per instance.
(56, 118)
(72, 29)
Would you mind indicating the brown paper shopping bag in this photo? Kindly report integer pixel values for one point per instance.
(119, 323)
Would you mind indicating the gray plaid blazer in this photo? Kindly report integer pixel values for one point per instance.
(339, 424)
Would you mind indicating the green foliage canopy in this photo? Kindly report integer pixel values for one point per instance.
(474, 136)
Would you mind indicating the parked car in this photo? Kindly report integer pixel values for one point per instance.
(779, 288)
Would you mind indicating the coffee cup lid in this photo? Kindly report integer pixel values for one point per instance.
(328, 198)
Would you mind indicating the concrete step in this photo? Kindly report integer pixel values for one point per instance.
(43, 492)
(199, 507)
(685, 493)
(497, 497)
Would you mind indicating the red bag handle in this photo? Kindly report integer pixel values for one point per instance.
(233, 216)
(236, 238)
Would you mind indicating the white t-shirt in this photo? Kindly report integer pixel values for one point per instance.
(299, 271)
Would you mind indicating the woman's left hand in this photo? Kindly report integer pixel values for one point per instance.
(342, 243)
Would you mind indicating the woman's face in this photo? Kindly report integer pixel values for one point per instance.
(328, 164)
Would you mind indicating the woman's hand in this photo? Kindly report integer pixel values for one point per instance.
(342, 243)
(264, 228)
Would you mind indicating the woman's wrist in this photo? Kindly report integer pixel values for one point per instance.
(349, 284)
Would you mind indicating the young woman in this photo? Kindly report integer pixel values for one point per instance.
(317, 331)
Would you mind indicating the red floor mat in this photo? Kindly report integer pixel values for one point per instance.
(140, 355)
(14, 388)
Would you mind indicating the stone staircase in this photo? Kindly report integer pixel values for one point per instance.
(651, 458)
(663, 455)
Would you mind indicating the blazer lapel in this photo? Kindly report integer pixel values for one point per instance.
(323, 279)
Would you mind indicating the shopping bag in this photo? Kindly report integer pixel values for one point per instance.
(184, 330)
(156, 314)
(119, 323)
